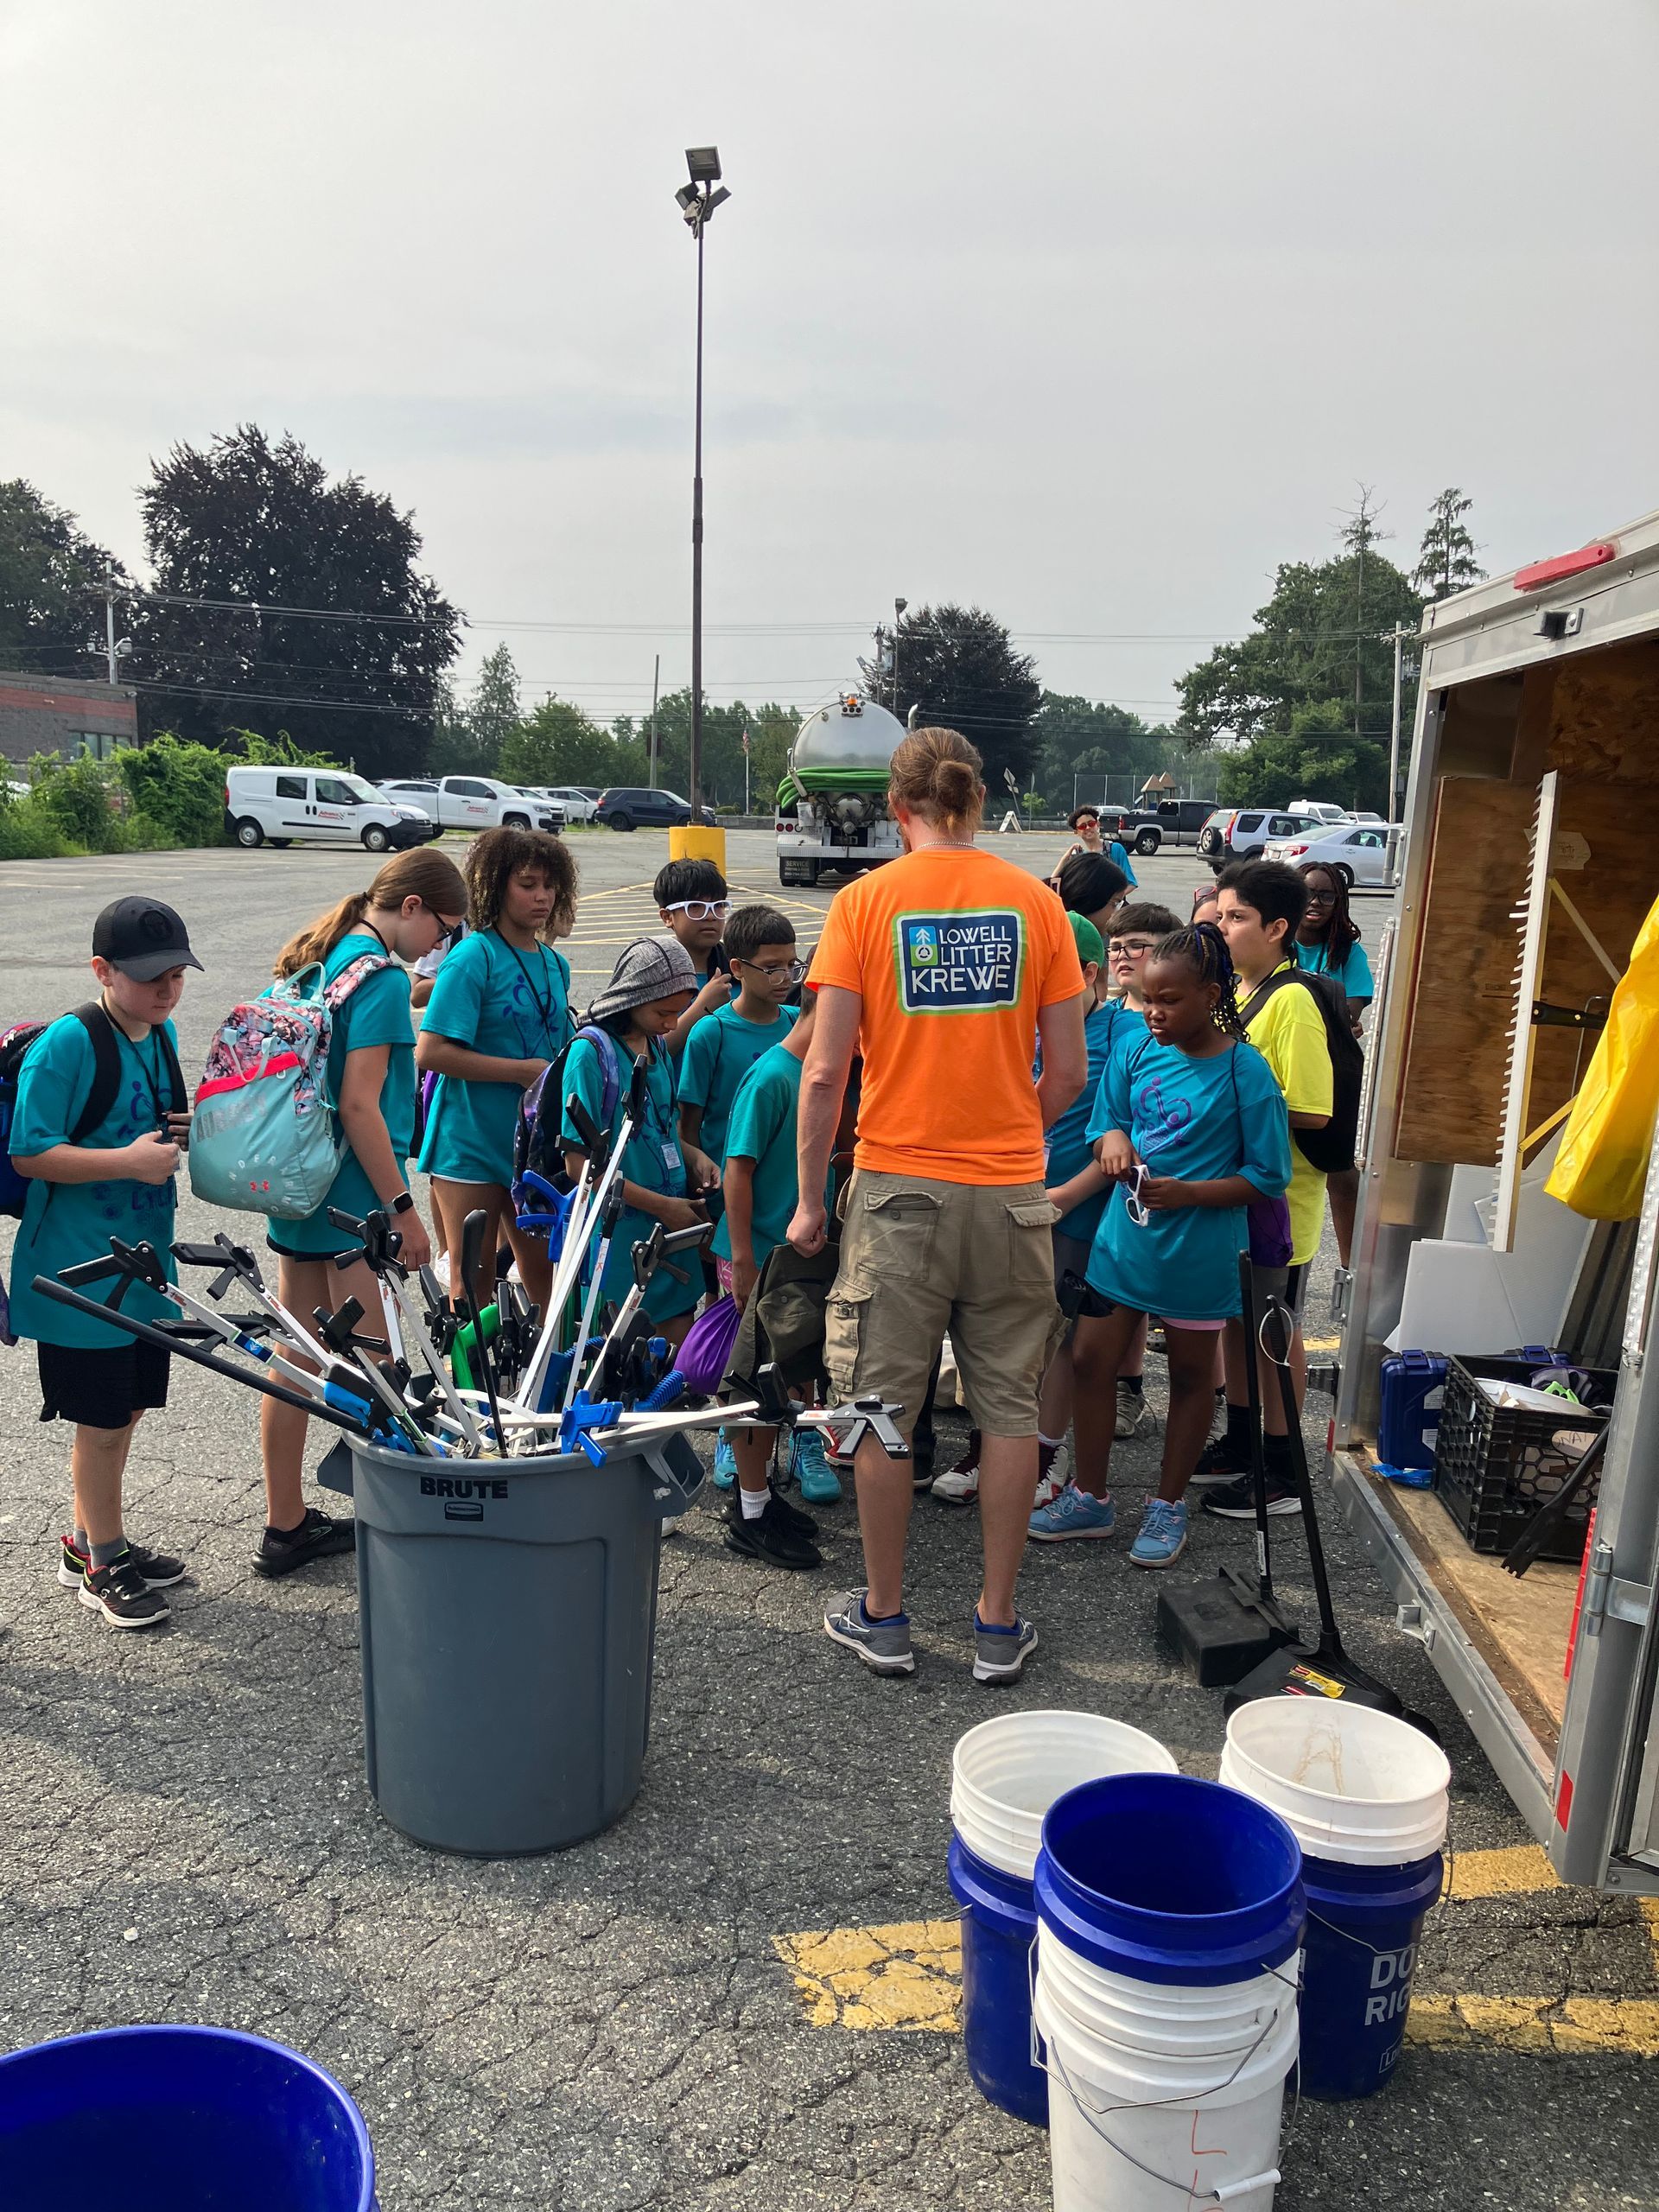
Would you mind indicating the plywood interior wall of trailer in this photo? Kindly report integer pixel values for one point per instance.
(1595, 719)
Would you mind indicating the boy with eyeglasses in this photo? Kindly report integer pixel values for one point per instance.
(693, 900)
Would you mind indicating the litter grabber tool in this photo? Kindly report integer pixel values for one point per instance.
(1221, 1629)
(338, 1331)
(650, 1254)
(407, 1319)
(472, 1254)
(198, 1324)
(1529, 1544)
(237, 1264)
(609, 1214)
(593, 1187)
(360, 1415)
(1326, 1670)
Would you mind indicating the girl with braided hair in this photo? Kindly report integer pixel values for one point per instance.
(1190, 1130)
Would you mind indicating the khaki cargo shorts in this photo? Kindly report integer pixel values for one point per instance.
(920, 1258)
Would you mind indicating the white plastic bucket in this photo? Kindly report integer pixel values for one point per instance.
(1006, 1774)
(1352, 1785)
(1136, 2128)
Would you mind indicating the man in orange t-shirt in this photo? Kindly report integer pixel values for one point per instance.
(942, 969)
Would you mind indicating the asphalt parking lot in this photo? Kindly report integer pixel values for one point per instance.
(187, 1834)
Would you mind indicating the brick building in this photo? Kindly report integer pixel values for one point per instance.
(66, 714)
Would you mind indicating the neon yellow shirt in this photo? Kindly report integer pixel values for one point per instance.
(1289, 1033)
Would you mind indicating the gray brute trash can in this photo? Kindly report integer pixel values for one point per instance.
(508, 1623)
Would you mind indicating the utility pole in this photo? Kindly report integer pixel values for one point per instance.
(656, 678)
(898, 606)
(109, 626)
(697, 201)
(1393, 732)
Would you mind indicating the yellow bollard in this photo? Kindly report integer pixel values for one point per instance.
(696, 842)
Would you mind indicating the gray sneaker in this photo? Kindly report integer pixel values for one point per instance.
(884, 1646)
(999, 1653)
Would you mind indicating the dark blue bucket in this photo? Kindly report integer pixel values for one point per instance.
(231, 2123)
(999, 1926)
(1364, 1924)
(1164, 1879)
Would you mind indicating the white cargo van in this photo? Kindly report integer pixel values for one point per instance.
(318, 806)
(1530, 867)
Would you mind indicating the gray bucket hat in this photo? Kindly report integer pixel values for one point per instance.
(651, 968)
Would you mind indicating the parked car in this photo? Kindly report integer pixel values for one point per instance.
(1320, 809)
(1171, 822)
(477, 803)
(578, 805)
(1357, 851)
(287, 806)
(630, 806)
(1241, 832)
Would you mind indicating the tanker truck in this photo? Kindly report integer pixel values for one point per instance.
(832, 803)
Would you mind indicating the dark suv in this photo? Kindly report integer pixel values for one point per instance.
(1240, 833)
(633, 807)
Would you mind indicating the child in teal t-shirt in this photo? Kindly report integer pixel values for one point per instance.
(722, 1049)
(762, 1192)
(415, 901)
(497, 1015)
(116, 1178)
(651, 986)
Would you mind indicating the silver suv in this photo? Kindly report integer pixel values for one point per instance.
(1239, 833)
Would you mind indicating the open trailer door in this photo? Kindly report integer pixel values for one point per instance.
(1532, 861)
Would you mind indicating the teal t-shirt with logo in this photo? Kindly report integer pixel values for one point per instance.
(652, 1159)
(1105, 1031)
(719, 1053)
(509, 1003)
(63, 1223)
(377, 1013)
(762, 1128)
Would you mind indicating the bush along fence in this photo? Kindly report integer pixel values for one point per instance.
(160, 797)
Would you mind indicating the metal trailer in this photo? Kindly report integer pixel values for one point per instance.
(1532, 809)
(832, 805)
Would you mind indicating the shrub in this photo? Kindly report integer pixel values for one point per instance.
(28, 833)
(177, 787)
(79, 796)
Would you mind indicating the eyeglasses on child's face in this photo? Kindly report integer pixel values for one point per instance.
(1130, 948)
(1320, 898)
(447, 929)
(700, 910)
(775, 971)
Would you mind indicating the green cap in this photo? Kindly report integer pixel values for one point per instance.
(1086, 937)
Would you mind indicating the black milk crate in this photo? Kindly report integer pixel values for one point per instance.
(1495, 1465)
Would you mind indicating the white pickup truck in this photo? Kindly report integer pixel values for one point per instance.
(477, 803)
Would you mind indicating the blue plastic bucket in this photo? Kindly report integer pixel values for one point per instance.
(1364, 1924)
(242, 2125)
(999, 1926)
(1164, 1878)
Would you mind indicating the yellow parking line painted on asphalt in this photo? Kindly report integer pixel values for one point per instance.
(904, 1976)
(1322, 1343)
(1627, 2026)
(1500, 1874)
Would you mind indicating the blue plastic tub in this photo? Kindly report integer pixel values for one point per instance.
(999, 1926)
(1167, 1879)
(178, 2119)
(1409, 1424)
(1364, 1924)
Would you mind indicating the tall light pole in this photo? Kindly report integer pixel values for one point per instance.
(697, 202)
(898, 606)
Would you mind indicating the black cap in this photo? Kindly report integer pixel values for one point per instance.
(143, 938)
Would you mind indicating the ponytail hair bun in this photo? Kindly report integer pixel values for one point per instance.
(936, 774)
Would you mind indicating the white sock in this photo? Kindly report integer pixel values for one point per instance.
(754, 1502)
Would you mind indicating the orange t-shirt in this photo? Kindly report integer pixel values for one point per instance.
(953, 952)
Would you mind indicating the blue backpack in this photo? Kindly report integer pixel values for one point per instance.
(538, 1150)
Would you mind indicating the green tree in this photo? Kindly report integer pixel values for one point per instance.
(1316, 757)
(958, 667)
(468, 740)
(239, 536)
(1077, 737)
(1445, 561)
(557, 744)
(1322, 619)
(52, 581)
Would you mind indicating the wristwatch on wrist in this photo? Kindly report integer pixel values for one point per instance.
(403, 1202)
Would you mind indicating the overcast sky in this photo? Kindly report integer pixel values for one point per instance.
(1087, 313)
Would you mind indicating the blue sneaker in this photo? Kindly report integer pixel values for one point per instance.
(1163, 1534)
(724, 1461)
(1074, 1513)
(820, 1483)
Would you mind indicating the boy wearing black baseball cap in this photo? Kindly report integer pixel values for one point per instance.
(100, 1115)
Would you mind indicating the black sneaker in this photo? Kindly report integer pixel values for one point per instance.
(160, 1572)
(1237, 1501)
(318, 1536)
(120, 1593)
(791, 1515)
(770, 1538)
(1220, 1462)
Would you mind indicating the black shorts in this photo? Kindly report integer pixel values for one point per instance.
(102, 1389)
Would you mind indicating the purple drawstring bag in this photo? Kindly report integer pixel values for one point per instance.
(703, 1358)
(1270, 1244)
